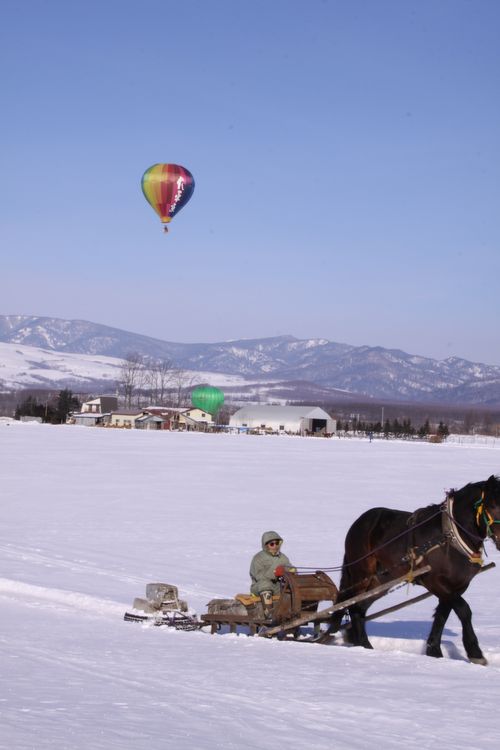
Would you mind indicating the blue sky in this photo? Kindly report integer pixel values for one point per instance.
(346, 159)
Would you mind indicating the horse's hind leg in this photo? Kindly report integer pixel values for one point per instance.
(357, 632)
(441, 614)
(469, 637)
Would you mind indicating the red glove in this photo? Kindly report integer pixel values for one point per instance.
(279, 571)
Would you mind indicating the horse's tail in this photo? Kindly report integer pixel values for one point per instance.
(346, 581)
(344, 587)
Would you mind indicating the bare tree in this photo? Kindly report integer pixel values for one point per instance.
(141, 381)
(158, 377)
(181, 381)
(131, 376)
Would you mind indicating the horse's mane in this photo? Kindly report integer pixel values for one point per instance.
(453, 492)
(474, 485)
(420, 515)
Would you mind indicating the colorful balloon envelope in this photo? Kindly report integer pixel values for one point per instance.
(207, 398)
(167, 188)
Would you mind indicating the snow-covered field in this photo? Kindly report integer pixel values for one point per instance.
(90, 516)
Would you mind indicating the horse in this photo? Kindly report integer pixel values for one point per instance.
(383, 544)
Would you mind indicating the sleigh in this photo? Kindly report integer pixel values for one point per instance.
(299, 612)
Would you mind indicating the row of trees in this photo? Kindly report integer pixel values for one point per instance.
(396, 428)
(155, 381)
(142, 380)
(52, 409)
(460, 419)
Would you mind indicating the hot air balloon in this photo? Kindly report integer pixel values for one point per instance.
(167, 188)
(207, 398)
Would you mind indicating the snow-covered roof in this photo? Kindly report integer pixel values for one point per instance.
(149, 418)
(167, 409)
(281, 412)
(89, 414)
(99, 399)
(127, 412)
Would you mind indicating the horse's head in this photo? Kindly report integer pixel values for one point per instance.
(488, 509)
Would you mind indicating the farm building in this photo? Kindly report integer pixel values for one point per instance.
(179, 418)
(125, 417)
(301, 420)
(151, 422)
(147, 418)
(100, 405)
(88, 419)
(95, 412)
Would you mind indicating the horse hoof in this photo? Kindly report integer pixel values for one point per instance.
(436, 653)
(482, 661)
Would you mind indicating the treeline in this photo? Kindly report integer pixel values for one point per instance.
(51, 409)
(460, 419)
(395, 428)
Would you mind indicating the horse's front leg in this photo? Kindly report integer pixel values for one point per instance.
(469, 637)
(441, 614)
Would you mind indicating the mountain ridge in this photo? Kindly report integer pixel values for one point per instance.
(374, 371)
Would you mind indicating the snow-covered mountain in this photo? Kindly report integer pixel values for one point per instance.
(371, 371)
(32, 367)
(29, 366)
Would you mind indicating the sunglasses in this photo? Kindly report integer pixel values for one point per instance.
(274, 544)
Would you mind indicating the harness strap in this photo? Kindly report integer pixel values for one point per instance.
(453, 536)
(484, 514)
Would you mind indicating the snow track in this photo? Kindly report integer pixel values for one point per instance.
(40, 596)
(450, 649)
(72, 601)
(38, 557)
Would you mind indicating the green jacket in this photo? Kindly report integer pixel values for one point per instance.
(263, 566)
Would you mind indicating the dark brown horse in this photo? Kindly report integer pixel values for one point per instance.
(383, 544)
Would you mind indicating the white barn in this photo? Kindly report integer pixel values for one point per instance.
(301, 420)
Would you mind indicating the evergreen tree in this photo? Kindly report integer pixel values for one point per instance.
(396, 428)
(408, 430)
(424, 429)
(66, 402)
(443, 430)
(30, 407)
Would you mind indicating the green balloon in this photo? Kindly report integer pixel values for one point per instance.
(207, 398)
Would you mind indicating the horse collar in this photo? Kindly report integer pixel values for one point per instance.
(451, 532)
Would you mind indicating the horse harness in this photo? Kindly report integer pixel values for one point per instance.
(450, 535)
